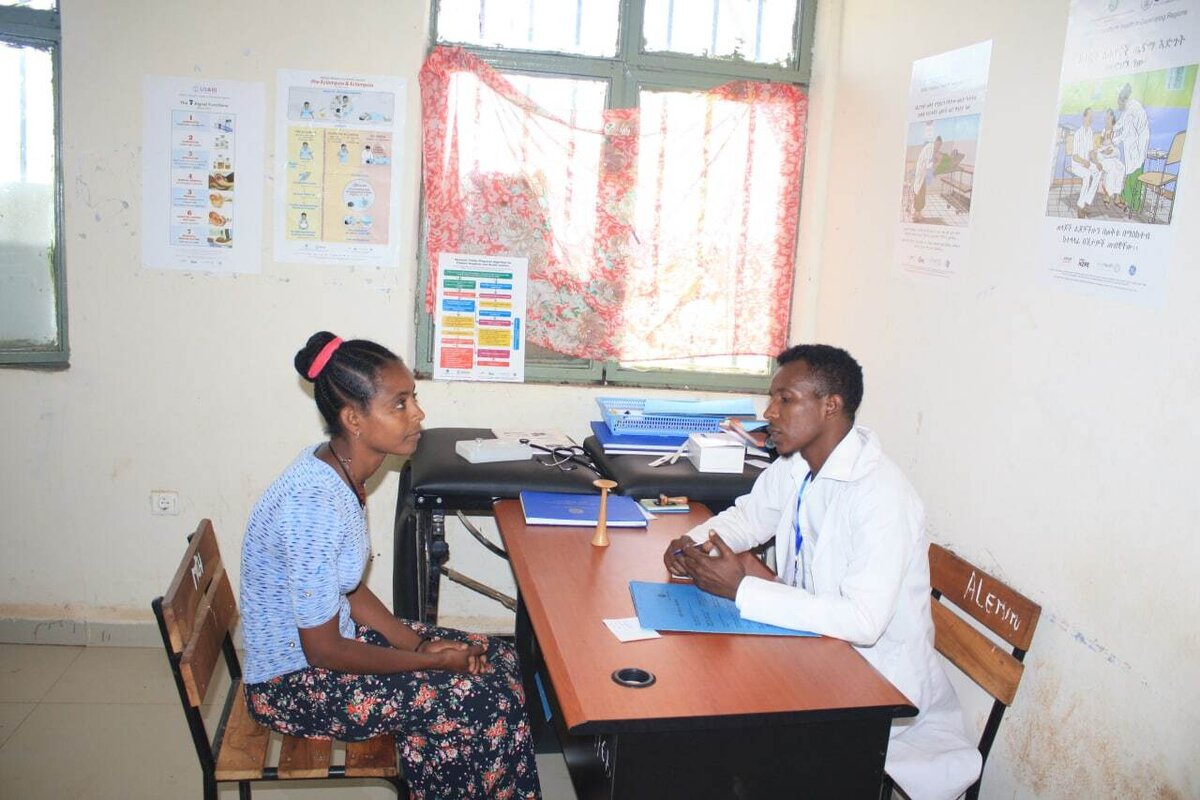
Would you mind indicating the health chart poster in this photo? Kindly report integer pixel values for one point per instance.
(479, 319)
(202, 174)
(336, 191)
(1113, 201)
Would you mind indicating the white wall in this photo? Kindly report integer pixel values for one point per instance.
(1046, 431)
(1049, 433)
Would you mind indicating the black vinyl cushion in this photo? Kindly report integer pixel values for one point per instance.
(637, 479)
(435, 471)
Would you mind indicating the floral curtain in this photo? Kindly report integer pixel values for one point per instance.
(661, 232)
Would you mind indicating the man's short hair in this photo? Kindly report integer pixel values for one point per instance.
(833, 369)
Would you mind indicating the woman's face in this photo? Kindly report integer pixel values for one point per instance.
(392, 423)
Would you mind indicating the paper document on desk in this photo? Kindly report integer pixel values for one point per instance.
(683, 607)
(549, 438)
(627, 629)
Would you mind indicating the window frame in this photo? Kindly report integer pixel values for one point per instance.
(627, 72)
(41, 29)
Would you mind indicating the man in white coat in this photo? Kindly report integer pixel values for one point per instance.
(851, 558)
(1133, 132)
(923, 171)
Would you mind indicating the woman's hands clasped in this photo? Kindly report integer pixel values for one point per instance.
(456, 656)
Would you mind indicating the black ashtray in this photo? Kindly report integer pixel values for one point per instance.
(633, 677)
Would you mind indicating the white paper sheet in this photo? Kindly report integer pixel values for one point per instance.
(628, 630)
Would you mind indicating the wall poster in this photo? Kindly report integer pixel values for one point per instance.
(479, 319)
(945, 104)
(202, 174)
(1126, 96)
(336, 189)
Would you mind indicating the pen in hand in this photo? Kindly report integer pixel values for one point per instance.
(679, 551)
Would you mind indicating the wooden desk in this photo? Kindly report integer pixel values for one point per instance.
(728, 716)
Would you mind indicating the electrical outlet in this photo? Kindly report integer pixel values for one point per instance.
(164, 503)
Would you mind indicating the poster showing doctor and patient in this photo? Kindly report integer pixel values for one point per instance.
(1126, 95)
(1119, 146)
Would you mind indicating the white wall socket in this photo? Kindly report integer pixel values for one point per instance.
(164, 503)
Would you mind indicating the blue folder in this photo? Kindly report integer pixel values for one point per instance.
(683, 607)
(567, 508)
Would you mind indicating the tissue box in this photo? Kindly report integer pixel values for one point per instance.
(716, 452)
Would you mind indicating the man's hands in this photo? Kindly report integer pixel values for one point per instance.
(718, 574)
(456, 656)
(673, 557)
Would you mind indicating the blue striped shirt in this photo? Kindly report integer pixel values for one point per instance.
(306, 547)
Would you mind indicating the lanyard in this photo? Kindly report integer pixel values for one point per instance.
(798, 578)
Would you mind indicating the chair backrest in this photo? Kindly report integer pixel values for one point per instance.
(198, 612)
(1008, 614)
(1175, 153)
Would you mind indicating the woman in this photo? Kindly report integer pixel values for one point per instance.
(1108, 159)
(324, 656)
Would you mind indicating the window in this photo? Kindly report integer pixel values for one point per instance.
(33, 320)
(645, 155)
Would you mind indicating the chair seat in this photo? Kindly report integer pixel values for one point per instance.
(1157, 178)
(246, 744)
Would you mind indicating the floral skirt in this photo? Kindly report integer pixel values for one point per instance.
(458, 735)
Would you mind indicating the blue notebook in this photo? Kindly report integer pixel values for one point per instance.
(683, 607)
(563, 508)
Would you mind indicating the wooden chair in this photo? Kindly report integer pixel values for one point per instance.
(196, 617)
(1158, 181)
(1007, 613)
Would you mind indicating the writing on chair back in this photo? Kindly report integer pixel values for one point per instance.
(1002, 610)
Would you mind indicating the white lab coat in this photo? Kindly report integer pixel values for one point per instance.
(1081, 148)
(1133, 132)
(867, 572)
(923, 168)
(1111, 167)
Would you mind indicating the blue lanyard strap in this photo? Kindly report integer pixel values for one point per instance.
(798, 580)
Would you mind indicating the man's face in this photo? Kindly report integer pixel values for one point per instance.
(795, 415)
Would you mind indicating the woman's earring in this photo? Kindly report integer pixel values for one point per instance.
(357, 434)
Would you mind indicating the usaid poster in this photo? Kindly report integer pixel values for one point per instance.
(1126, 96)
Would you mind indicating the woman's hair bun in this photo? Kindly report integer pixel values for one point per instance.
(307, 354)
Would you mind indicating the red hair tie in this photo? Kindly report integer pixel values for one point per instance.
(323, 358)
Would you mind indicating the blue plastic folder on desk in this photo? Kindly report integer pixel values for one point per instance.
(568, 508)
(683, 607)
